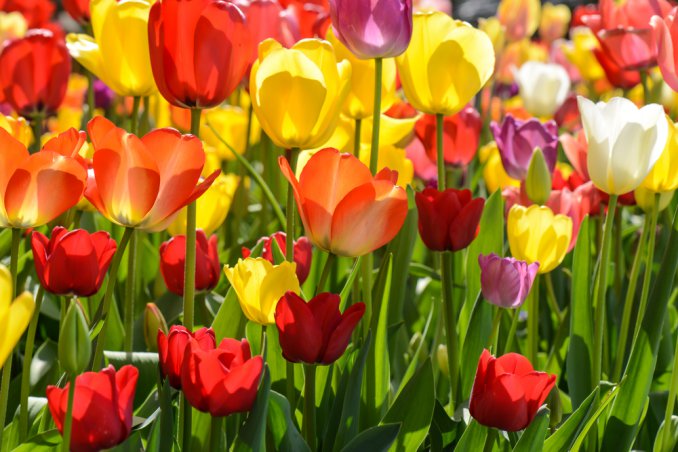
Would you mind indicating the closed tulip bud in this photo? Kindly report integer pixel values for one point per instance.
(154, 322)
(173, 260)
(75, 348)
(543, 87)
(645, 199)
(538, 180)
(172, 347)
(442, 358)
(554, 21)
(506, 282)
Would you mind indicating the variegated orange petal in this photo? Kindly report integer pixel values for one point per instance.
(12, 155)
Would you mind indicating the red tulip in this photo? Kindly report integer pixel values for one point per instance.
(172, 346)
(448, 220)
(630, 49)
(309, 19)
(617, 76)
(207, 267)
(315, 332)
(461, 134)
(199, 49)
(303, 252)
(35, 71)
(223, 380)
(102, 408)
(37, 13)
(507, 391)
(78, 10)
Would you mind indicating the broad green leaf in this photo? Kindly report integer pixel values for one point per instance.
(375, 439)
(659, 445)
(44, 442)
(533, 437)
(230, 321)
(252, 434)
(473, 438)
(562, 439)
(402, 247)
(479, 330)
(286, 437)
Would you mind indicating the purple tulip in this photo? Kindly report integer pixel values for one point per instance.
(506, 281)
(517, 141)
(373, 28)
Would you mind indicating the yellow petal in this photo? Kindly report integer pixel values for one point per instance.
(13, 323)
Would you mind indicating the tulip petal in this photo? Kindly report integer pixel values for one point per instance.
(14, 322)
(301, 335)
(341, 335)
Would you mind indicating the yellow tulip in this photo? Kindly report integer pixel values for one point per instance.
(259, 285)
(212, 207)
(360, 100)
(447, 63)
(118, 52)
(14, 315)
(664, 174)
(645, 198)
(494, 174)
(580, 53)
(231, 124)
(392, 158)
(555, 20)
(495, 30)
(535, 234)
(521, 17)
(297, 93)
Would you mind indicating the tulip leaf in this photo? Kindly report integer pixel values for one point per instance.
(375, 439)
(229, 321)
(580, 351)
(286, 437)
(348, 286)
(413, 408)
(601, 408)
(423, 271)
(412, 367)
(44, 442)
(534, 435)
(402, 248)
(252, 434)
(659, 445)
(278, 254)
(564, 436)
(479, 330)
(634, 389)
(473, 438)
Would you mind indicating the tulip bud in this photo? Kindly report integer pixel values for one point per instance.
(441, 356)
(75, 348)
(154, 321)
(538, 181)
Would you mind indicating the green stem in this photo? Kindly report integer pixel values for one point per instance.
(440, 152)
(366, 288)
(552, 299)
(216, 427)
(89, 114)
(134, 117)
(130, 291)
(26, 372)
(673, 387)
(512, 331)
(108, 298)
(376, 117)
(290, 386)
(356, 137)
(601, 290)
(533, 324)
(68, 422)
(494, 336)
(36, 126)
(309, 405)
(292, 159)
(646, 87)
(447, 282)
(145, 124)
(326, 272)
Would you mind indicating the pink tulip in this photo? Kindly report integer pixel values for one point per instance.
(666, 38)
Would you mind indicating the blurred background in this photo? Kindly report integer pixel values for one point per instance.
(471, 10)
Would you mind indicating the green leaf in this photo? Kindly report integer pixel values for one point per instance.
(44, 442)
(562, 439)
(413, 408)
(659, 445)
(200, 430)
(229, 321)
(581, 436)
(473, 438)
(145, 362)
(252, 435)
(533, 437)
(375, 439)
(479, 330)
(580, 353)
(286, 437)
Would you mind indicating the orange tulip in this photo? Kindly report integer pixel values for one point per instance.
(345, 210)
(143, 182)
(35, 189)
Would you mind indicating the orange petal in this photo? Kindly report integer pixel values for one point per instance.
(12, 155)
(104, 134)
(68, 144)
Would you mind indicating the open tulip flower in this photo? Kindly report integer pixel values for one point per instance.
(172, 347)
(303, 252)
(543, 87)
(506, 282)
(173, 260)
(14, 315)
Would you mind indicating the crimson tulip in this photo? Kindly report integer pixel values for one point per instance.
(35, 71)
(315, 332)
(78, 10)
(303, 252)
(37, 13)
(172, 346)
(102, 408)
(507, 391)
(200, 50)
(72, 262)
(223, 380)
(461, 135)
(448, 220)
(207, 267)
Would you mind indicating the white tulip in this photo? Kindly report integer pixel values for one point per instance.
(624, 142)
(543, 87)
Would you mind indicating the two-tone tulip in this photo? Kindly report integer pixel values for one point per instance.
(303, 252)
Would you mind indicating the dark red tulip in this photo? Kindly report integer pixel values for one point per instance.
(35, 71)
(199, 49)
(102, 408)
(461, 135)
(72, 262)
(315, 332)
(207, 267)
(448, 220)
(303, 252)
(78, 10)
(507, 391)
(171, 348)
(223, 380)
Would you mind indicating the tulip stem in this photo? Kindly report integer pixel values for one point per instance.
(515, 316)
(108, 298)
(134, 117)
(292, 159)
(376, 117)
(68, 422)
(216, 427)
(447, 275)
(90, 97)
(130, 291)
(356, 137)
(26, 372)
(36, 126)
(326, 273)
(440, 152)
(670, 403)
(309, 405)
(533, 323)
(600, 288)
(494, 337)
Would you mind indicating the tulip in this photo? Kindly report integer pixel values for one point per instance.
(494, 174)
(297, 93)
(223, 380)
(624, 142)
(173, 260)
(315, 332)
(36, 189)
(664, 174)
(538, 180)
(543, 87)
(172, 350)
(118, 52)
(461, 135)
(506, 282)
(630, 49)
(554, 21)
(345, 210)
(645, 199)
(517, 141)
(306, 19)
(143, 183)
(448, 220)
(259, 285)
(446, 64)
(14, 315)
(495, 30)
(199, 50)
(580, 53)
(35, 72)
(303, 252)
(666, 38)
(576, 150)
(265, 19)
(231, 124)
(154, 322)
(424, 168)
(79, 10)
(520, 17)
(507, 391)
(617, 76)
(393, 158)
(72, 262)
(536, 234)
(102, 407)
(37, 13)
(373, 29)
